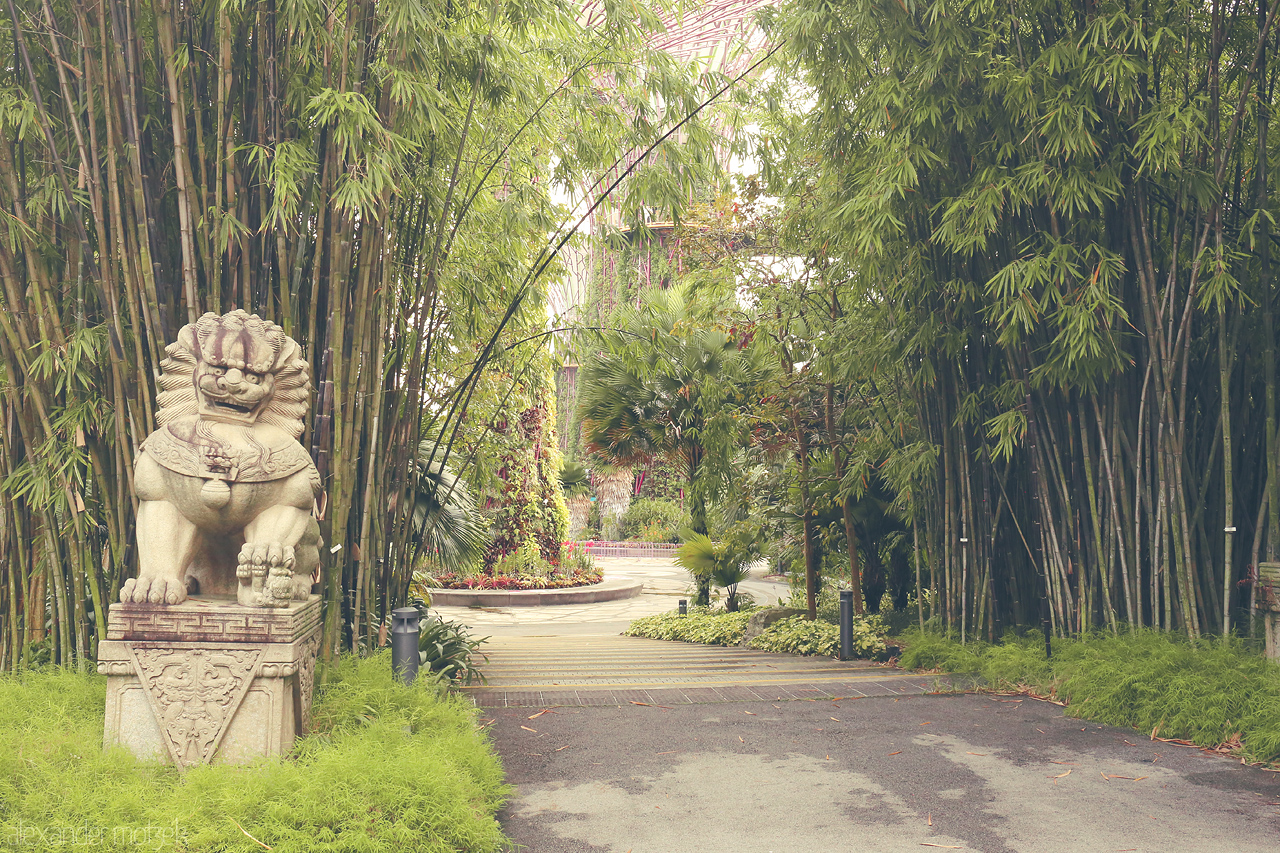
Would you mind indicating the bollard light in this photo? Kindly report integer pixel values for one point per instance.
(684, 607)
(404, 643)
(846, 624)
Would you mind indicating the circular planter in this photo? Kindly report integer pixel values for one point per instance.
(591, 594)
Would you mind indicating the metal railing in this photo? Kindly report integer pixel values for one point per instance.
(627, 549)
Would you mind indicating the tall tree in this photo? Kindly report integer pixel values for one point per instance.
(1056, 211)
(354, 171)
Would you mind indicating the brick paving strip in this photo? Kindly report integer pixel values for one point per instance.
(617, 670)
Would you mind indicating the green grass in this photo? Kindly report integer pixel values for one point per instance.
(387, 768)
(1205, 692)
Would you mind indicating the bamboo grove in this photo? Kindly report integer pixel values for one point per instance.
(1060, 216)
(370, 175)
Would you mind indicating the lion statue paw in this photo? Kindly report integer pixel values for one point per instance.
(268, 571)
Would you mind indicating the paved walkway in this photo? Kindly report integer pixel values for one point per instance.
(585, 671)
(605, 759)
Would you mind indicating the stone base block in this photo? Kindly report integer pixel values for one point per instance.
(1271, 627)
(209, 680)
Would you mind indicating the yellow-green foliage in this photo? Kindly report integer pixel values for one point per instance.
(798, 636)
(1204, 691)
(702, 625)
(795, 635)
(387, 768)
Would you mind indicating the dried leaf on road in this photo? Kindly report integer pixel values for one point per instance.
(899, 752)
(527, 729)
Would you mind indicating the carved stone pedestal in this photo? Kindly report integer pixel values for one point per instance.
(209, 680)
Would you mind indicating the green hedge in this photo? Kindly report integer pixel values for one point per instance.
(1205, 691)
(387, 768)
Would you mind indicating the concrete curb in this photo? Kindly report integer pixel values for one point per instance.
(607, 591)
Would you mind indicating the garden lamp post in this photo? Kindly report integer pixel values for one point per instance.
(846, 624)
(404, 643)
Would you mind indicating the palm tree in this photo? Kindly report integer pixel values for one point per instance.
(654, 388)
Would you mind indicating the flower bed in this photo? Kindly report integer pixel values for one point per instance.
(509, 582)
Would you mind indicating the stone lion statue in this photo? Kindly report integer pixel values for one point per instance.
(225, 490)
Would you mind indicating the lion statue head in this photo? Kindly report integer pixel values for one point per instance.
(236, 368)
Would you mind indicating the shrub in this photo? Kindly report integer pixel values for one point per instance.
(653, 520)
(1205, 692)
(798, 636)
(448, 650)
(386, 768)
(702, 625)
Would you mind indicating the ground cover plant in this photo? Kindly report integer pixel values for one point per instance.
(386, 768)
(799, 636)
(701, 625)
(1208, 693)
(794, 635)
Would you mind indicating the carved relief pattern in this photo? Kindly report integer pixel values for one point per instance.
(194, 694)
(307, 678)
(115, 667)
(189, 447)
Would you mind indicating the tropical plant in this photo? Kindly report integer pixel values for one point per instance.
(699, 625)
(799, 636)
(653, 520)
(723, 564)
(656, 387)
(575, 479)
(449, 651)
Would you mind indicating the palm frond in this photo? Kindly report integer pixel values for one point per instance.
(447, 527)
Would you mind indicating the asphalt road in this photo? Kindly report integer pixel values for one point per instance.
(965, 772)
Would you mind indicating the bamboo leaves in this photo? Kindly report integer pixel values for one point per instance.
(1085, 224)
